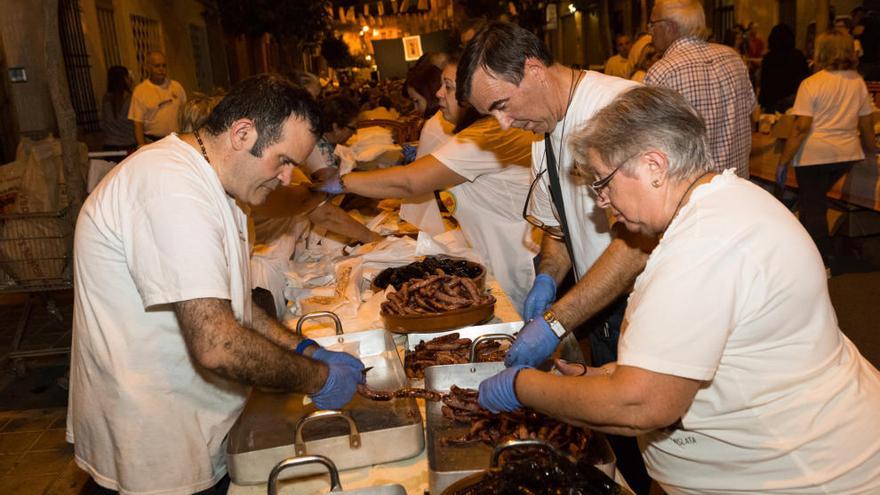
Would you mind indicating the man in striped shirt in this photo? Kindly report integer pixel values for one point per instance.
(713, 78)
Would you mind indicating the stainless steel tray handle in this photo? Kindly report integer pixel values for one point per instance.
(486, 338)
(335, 485)
(354, 437)
(496, 454)
(318, 314)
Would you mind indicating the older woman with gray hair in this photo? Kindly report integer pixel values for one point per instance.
(731, 368)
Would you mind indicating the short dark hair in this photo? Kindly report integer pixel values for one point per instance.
(339, 110)
(502, 48)
(268, 100)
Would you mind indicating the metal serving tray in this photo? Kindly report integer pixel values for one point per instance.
(276, 426)
(448, 464)
(335, 484)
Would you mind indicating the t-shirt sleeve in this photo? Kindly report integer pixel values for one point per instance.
(137, 109)
(177, 250)
(803, 102)
(680, 316)
(484, 148)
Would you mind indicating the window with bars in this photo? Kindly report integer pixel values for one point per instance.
(76, 64)
(201, 57)
(147, 37)
(107, 28)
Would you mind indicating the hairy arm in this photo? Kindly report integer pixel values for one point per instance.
(335, 219)
(217, 342)
(796, 137)
(422, 176)
(555, 261)
(608, 278)
(630, 401)
(139, 133)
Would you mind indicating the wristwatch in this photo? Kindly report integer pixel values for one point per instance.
(555, 325)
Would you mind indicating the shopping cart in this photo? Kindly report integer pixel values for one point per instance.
(35, 259)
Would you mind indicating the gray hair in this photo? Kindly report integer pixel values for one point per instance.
(642, 119)
(687, 15)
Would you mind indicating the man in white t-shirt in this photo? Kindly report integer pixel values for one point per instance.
(155, 102)
(618, 65)
(165, 340)
(550, 99)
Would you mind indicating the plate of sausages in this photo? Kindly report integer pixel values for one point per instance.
(437, 302)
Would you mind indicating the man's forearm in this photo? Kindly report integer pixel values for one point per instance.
(219, 343)
(336, 220)
(270, 328)
(555, 261)
(609, 277)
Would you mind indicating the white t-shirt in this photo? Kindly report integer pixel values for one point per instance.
(435, 132)
(735, 295)
(158, 229)
(618, 66)
(587, 223)
(157, 106)
(489, 206)
(835, 100)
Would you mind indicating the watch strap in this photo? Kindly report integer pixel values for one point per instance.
(555, 326)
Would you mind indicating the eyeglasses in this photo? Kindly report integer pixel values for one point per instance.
(553, 231)
(599, 185)
(651, 24)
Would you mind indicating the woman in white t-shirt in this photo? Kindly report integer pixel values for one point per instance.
(832, 127)
(487, 170)
(731, 368)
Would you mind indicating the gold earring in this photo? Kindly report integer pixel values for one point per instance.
(655, 183)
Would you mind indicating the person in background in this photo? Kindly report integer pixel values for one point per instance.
(649, 57)
(339, 116)
(421, 85)
(306, 80)
(618, 65)
(166, 343)
(832, 130)
(712, 77)
(486, 169)
(782, 70)
(732, 370)
(635, 52)
(156, 102)
(195, 111)
(118, 129)
(382, 109)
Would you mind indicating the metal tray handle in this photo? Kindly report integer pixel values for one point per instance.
(499, 449)
(354, 437)
(335, 485)
(486, 338)
(318, 314)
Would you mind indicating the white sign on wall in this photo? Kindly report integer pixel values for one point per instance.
(412, 47)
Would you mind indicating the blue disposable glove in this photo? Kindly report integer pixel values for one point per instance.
(331, 185)
(498, 393)
(339, 358)
(534, 344)
(409, 153)
(540, 297)
(341, 384)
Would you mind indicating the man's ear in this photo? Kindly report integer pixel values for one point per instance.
(242, 134)
(536, 69)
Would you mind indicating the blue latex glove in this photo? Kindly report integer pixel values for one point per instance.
(540, 297)
(339, 358)
(331, 185)
(341, 384)
(409, 153)
(497, 393)
(533, 345)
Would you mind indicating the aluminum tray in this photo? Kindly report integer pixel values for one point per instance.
(268, 428)
(448, 464)
(335, 484)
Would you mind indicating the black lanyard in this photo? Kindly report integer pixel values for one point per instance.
(556, 198)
